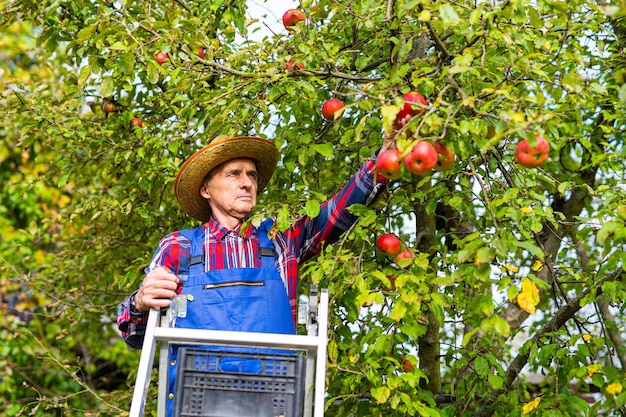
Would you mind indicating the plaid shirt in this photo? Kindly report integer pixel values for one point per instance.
(225, 248)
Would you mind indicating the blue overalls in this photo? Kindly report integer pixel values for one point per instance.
(238, 299)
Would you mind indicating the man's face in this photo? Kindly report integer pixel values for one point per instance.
(231, 191)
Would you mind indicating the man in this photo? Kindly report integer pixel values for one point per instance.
(228, 274)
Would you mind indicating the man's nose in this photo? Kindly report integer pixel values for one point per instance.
(247, 182)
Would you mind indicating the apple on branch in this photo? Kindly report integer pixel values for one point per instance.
(403, 258)
(292, 17)
(332, 109)
(389, 244)
(422, 158)
(445, 157)
(136, 122)
(389, 164)
(532, 156)
(109, 106)
(161, 57)
(412, 102)
(292, 65)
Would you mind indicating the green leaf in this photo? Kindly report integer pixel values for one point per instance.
(83, 76)
(389, 114)
(481, 366)
(359, 129)
(324, 149)
(448, 15)
(85, 33)
(531, 247)
(312, 208)
(496, 381)
(118, 46)
(153, 72)
(485, 255)
(380, 394)
(283, 219)
(459, 69)
(606, 230)
(439, 299)
(496, 324)
(106, 87)
(398, 311)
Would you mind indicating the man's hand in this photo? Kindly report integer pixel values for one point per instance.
(158, 290)
(390, 140)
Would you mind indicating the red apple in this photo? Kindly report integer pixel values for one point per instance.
(331, 109)
(389, 244)
(410, 99)
(405, 254)
(161, 57)
(291, 64)
(136, 122)
(388, 164)
(292, 17)
(422, 158)
(445, 157)
(532, 156)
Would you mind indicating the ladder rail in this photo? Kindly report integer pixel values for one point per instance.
(233, 338)
(146, 361)
(320, 372)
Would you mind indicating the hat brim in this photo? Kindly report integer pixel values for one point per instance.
(189, 179)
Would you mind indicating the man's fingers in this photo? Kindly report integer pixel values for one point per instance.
(161, 274)
(157, 293)
(161, 303)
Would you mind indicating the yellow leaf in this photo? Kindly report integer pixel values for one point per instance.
(593, 369)
(518, 117)
(528, 298)
(587, 337)
(526, 210)
(528, 407)
(537, 265)
(511, 268)
(614, 388)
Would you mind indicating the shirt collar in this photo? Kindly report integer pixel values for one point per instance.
(221, 232)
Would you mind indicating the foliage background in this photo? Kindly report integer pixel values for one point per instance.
(85, 197)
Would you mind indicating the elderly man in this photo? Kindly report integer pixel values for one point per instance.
(232, 275)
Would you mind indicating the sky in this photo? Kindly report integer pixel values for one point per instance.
(269, 13)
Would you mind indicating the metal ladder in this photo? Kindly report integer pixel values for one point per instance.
(313, 314)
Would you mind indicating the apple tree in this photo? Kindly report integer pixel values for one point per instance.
(506, 299)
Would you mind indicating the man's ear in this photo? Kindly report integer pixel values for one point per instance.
(204, 191)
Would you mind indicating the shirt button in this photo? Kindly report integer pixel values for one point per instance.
(173, 362)
(171, 396)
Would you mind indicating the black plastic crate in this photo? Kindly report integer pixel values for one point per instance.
(212, 383)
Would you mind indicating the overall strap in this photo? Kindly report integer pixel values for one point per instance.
(268, 253)
(195, 259)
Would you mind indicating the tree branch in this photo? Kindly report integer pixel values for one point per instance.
(438, 42)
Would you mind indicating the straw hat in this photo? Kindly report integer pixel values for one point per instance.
(222, 149)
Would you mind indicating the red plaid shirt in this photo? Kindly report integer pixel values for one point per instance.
(225, 248)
